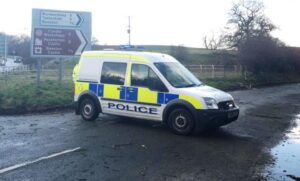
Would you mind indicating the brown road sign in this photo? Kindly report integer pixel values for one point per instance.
(48, 41)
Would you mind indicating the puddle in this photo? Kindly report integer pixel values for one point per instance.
(287, 156)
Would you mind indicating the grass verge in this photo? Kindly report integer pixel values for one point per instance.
(33, 98)
(239, 83)
(27, 97)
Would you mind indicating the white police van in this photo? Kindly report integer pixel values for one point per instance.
(151, 86)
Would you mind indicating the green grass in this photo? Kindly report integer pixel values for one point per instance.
(229, 84)
(24, 78)
(31, 96)
(239, 82)
(20, 93)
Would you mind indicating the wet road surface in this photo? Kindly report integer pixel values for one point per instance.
(286, 165)
(61, 146)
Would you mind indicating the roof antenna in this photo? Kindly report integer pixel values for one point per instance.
(128, 31)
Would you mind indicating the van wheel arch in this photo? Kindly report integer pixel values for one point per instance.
(179, 104)
(92, 96)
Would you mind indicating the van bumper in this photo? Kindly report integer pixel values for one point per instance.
(207, 119)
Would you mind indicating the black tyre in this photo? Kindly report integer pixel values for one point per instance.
(181, 121)
(88, 109)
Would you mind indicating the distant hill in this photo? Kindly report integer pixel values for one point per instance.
(296, 49)
(192, 55)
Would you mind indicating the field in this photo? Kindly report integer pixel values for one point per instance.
(19, 91)
(192, 55)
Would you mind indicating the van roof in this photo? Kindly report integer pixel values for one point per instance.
(134, 55)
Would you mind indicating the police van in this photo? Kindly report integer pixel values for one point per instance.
(150, 86)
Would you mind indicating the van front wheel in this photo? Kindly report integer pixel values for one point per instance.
(181, 121)
(88, 110)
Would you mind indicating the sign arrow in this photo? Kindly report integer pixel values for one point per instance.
(83, 43)
(80, 20)
(59, 18)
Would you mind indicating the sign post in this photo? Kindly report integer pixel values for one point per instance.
(61, 70)
(60, 34)
(3, 45)
(39, 67)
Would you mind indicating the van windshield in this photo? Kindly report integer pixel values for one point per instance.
(177, 75)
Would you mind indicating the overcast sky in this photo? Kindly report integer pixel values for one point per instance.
(167, 22)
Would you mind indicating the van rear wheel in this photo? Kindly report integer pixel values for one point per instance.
(88, 110)
(181, 121)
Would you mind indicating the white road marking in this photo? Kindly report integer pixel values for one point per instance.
(37, 160)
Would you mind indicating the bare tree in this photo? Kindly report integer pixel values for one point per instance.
(247, 20)
(249, 32)
(20, 46)
(95, 43)
(214, 42)
(211, 43)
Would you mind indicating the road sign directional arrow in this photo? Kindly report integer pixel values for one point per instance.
(59, 18)
(83, 43)
(79, 21)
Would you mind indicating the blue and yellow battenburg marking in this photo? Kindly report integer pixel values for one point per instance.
(133, 94)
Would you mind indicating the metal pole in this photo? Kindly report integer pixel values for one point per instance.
(201, 69)
(5, 46)
(60, 71)
(38, 77)
(129, 31)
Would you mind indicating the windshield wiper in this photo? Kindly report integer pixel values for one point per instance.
(188, 85)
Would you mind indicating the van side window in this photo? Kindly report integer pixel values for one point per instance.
(113, 73)
(143, 76)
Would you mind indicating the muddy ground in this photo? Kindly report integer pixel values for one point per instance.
(113, 148)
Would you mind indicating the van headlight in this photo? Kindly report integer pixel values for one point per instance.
(211, 103)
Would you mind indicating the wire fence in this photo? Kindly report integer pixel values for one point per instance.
(24, 74)
(15, 76)
(216, 71)
(13, 69)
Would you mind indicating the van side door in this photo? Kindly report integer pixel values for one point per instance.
(112, 89)
(146, 90)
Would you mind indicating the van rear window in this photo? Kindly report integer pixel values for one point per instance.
(113, 73)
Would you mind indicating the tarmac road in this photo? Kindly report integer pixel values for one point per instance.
(61, 146)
